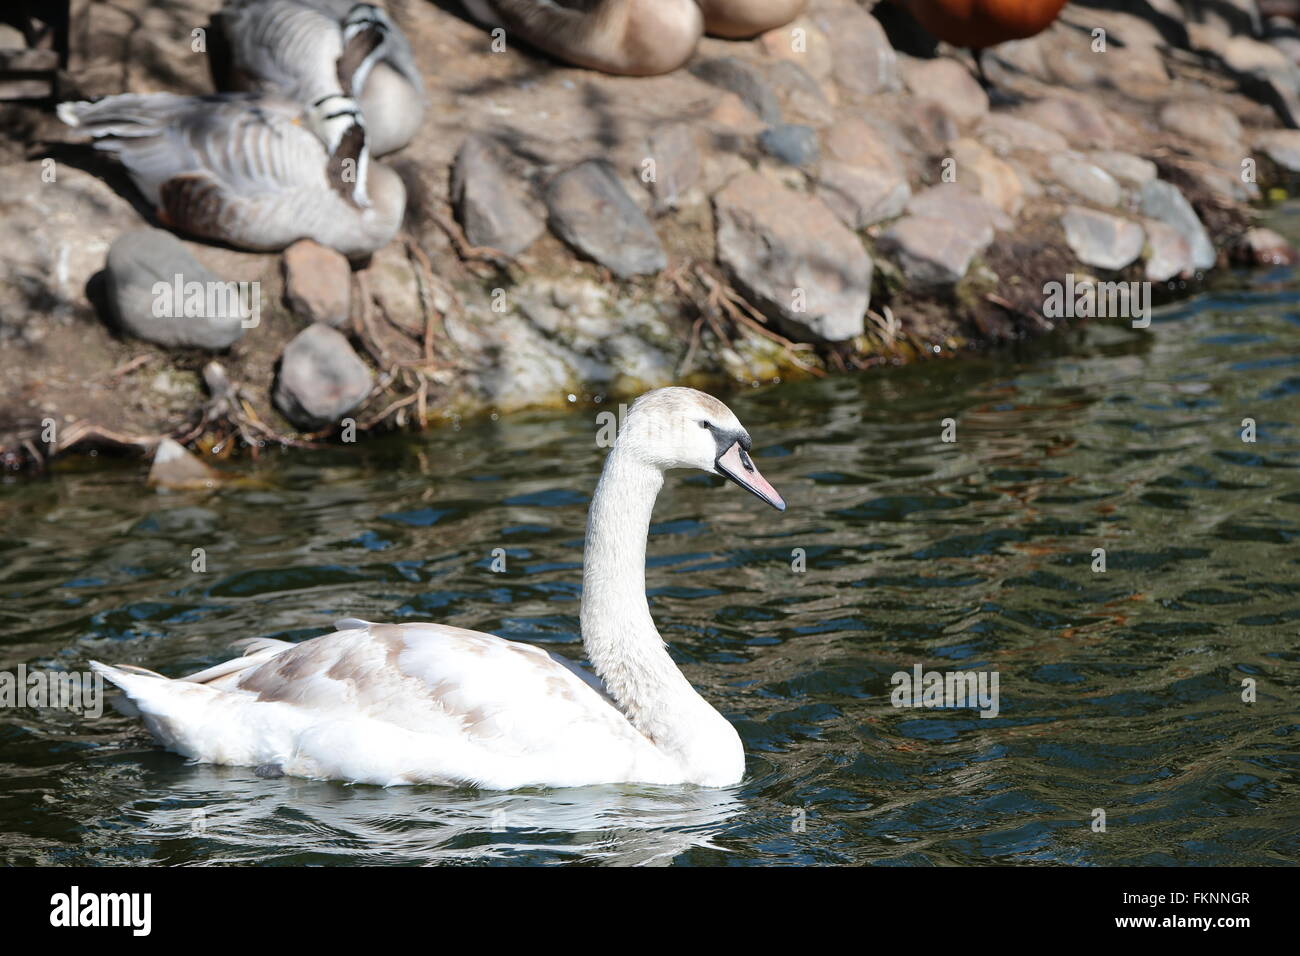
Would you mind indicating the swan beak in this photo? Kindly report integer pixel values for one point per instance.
(735, 463)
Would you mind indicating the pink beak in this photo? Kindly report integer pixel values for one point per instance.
(736, 464)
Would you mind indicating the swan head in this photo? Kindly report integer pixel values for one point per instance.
(685, 428)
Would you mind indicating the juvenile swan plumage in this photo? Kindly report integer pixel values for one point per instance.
(427, 703)
(305, 50)
(256, 172)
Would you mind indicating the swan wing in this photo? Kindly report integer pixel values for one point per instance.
(404, 703)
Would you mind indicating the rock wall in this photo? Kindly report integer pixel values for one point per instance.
(833, 195)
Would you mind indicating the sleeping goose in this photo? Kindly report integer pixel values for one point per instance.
(427, 703)
(742, 19)
(632, 37)
(635, 37)
(256, 172)
(304, 50)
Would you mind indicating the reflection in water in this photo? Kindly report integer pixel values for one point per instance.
(1120, 690)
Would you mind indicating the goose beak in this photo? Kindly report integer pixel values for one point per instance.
(735, 463)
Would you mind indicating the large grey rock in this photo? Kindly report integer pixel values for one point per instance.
(489, 201)
(1102, 240)
(791, 256)
(1210, 124)
(320, 379)
(592, 212)
(146, 269)
(1164, 202)
(932, 251)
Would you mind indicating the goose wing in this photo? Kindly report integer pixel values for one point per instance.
(284, 46)
(205, 159)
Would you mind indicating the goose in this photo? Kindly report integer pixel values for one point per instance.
(304, 50)
(630, 37)
(253, 171)
(410, 703)
(743, 19)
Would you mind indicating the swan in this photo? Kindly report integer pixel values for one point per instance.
(395, 704)
(256, 172)
(633, 37)
(303, 50)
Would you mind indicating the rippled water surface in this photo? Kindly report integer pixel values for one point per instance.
(1120, 691)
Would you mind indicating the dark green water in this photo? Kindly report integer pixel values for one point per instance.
(1120, 691)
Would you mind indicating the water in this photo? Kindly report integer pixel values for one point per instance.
(1120, 691)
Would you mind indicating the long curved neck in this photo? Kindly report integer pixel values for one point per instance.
(619, 635)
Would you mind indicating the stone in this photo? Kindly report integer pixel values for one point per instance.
(1125, 167)
(946, 81)
(489, 201)
(800, 94)
(791, 143)
(1075, 118)
(592, 212)
(743, 79)
(854, 141)
(676, 153)
(176, 468)
(1263, 247)
(320, 378)
(1085, 179)
(1163, 201)
(861, 196)
(1102, 240)
(1170, 253)
(793, 259)
(863, 62)
(994, 180)
(971, 213)
(809, 47)
(931, 252)
(1004, 133)
(1206, 123)
(730, 111)
(1282, 146)
(142, 274)
(317, 283)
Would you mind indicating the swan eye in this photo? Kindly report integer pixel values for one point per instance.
(705, 423)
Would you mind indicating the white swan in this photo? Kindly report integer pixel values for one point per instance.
(256, 172)
(306, 50)
(427, 703)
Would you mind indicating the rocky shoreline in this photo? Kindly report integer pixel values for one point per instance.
(825, 198)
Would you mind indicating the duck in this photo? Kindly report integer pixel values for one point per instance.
(414, 703)
(304, 50)
(978, 24)
(253, 171)
(627, 37)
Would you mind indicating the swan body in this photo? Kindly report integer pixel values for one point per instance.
(254, 171)
(426, 703)
(304, 50)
